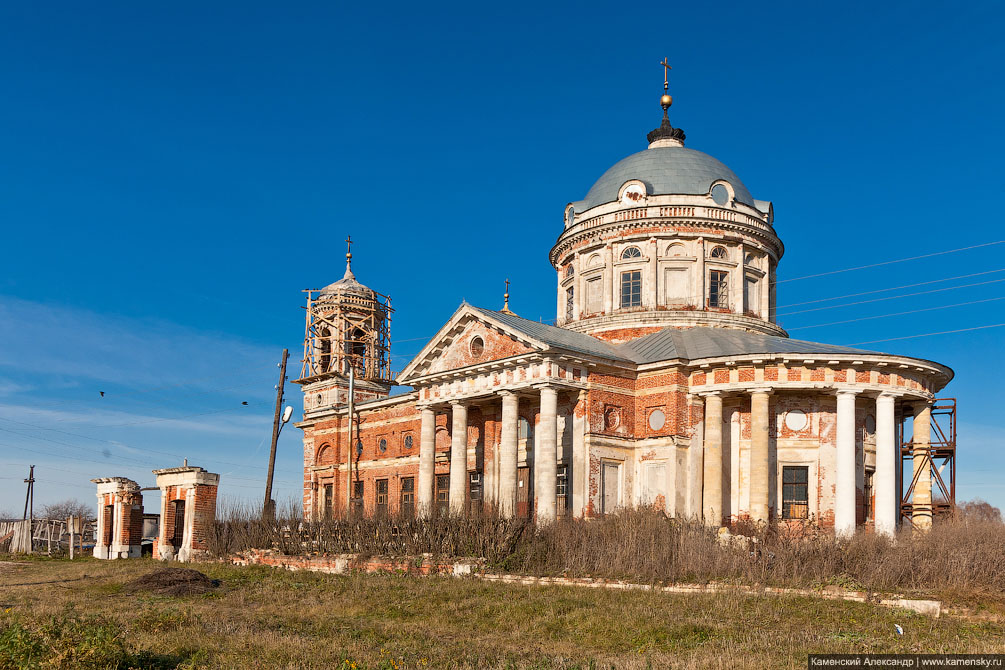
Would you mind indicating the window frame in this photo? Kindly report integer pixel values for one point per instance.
(790, 496)
(626, 254)
(722, 289)
(634, 286)
(406, 496)
(570, 303)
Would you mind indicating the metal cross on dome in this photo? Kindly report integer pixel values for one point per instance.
(666, 71)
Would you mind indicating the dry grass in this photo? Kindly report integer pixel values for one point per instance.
(961, 560)
(82, 614)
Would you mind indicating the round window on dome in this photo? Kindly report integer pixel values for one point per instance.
(796, 420)
(477, 345)
(657, 419)
(720, 194)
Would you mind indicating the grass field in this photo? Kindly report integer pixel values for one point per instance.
(84, 614)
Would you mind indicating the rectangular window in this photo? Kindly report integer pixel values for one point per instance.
(561, 489)
(610, 486)
(329, 500)
(475, 492)
(443, 493)
(594, 295)
(357, 497)
(750, 295)
(718, 289)
(795, 492)
(381, 486)
(867, 495)
(631, 288)
(570, 302)
(408, 497)
(654, 482)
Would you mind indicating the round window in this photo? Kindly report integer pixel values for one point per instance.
(359, 447)
(657, 419)
(796, 420)
(720, 194)
(870, 424)
(408, 442)
(319, 398)
(477, 346)
(382, 445)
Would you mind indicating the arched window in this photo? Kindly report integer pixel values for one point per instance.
(718, 252)
(326, 455)
(324, 349)
(593, 261)
(631, 252)
(675, 249)
(355, 347)
(749, 259)
(570, 271)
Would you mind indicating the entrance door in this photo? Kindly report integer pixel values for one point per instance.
(179, 524)
(523, 492)
(610, 485)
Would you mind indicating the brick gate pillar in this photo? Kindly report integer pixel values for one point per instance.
(120, 518)
(188, 500)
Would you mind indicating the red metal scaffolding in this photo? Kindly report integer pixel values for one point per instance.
(941, 457)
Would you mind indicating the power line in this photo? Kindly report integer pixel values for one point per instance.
(892, 297)
(899, 260)
(883, 290)
(943, 332)
(883, 316)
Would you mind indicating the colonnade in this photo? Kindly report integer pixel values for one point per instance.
(763, 472)
(545, 455)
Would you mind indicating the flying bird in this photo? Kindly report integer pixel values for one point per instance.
(244, 402)
(102, 393)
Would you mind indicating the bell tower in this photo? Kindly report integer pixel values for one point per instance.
(348, 327)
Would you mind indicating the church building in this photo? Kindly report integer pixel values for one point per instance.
(664, 382)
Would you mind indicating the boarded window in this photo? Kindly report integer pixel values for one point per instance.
(475, 492)
(677, 286)
(357, 497)
(795, 492)
(594, 295)
(654, 482)
(328, 501)
(631, 288)
(610, 486)
(751, 300)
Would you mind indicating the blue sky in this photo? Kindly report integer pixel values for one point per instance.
(174, 175)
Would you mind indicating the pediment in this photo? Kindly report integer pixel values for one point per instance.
(469, 338)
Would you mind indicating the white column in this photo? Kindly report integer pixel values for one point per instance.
(712, 485)
(579, 472)
(427, 447)
(508, 453)
(458, 457)
(699, 283)
(692, 503)
(546, 462)
(885, 477)
(652, 282)
(763, 477)
(844, 490)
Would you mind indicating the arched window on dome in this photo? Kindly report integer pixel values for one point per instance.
(593, 261)
(718, 252)
(570, 271)
(355, 347)
(675, 249)
(631, 252)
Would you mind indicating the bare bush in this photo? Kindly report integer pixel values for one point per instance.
(65, 508)
(961, 555)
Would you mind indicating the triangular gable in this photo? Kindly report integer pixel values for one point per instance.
(451, 349)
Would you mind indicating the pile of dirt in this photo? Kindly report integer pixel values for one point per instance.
(175, 582)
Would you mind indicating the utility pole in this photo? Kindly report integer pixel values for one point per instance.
(269, 511)
(29, 496)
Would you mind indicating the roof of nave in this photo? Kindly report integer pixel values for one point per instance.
(669, 343)
(702, 342)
